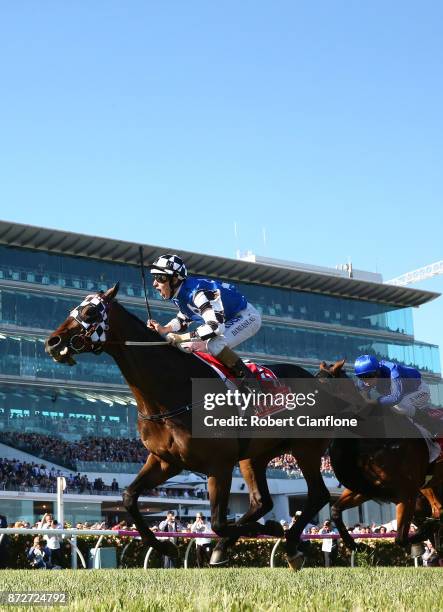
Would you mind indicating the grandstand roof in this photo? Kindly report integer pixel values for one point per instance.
(82, 245)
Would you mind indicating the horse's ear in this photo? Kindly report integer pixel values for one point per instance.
(338, 365)
(112, 292)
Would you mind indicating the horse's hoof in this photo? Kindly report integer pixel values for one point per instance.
(296, 562)
(273, 528)
(218, 559)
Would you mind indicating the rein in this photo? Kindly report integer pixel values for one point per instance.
(136, 343)
(155, 418)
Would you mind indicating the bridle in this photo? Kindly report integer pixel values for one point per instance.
(95, 328)
(95, 325)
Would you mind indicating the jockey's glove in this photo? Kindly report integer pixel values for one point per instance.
(368, 409)
(176, 339)
(373, 403)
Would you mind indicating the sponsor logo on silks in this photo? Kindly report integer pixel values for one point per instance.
(421, 399)
(232, 322)
(241, 326)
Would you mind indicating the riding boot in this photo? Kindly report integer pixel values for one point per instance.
(248, 382)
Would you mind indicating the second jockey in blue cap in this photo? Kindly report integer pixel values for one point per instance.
(401, 388)
(224, 315)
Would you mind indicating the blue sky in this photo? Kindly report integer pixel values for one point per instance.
(166, 122)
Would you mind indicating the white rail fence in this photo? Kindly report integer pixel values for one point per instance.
(73, 534)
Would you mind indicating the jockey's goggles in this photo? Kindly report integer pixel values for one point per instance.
(161, 278)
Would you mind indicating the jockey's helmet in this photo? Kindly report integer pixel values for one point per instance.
(172, 265)
(366, 365)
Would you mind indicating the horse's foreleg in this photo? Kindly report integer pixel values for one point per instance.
(152, 474)
(404, 514)
(219, 487)
(347, 500)
(434, 502)
(318, 496)
(431, 526)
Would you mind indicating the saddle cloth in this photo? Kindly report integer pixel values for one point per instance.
(269, 382)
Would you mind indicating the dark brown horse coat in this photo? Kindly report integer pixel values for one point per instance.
(161, 380)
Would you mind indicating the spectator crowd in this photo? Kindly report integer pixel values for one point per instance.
(89, 448)
(117, 450)
(65, 425)
(288, 464)
(16, 475)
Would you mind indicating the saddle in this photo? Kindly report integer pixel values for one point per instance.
(269, 383)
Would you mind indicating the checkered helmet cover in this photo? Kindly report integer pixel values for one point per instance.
(100, 324)
(169, 264)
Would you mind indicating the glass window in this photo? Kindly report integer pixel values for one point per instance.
(65, 414)
(91, 275)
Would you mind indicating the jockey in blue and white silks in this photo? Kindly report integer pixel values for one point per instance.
(401, 388)
(224, 315)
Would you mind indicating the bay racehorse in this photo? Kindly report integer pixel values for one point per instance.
(391, 470)
(160, 379)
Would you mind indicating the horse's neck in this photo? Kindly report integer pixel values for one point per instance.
(144, 368)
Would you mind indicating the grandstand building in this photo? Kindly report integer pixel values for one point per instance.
(309, 314)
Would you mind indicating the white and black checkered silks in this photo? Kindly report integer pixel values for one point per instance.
(217, 332)
(209, 306)
(169, 264)
(101, 325)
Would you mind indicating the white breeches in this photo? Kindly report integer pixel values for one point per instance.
(244, 325)
(418, 400)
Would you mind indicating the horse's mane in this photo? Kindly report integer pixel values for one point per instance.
(141, 326)
(151, 335)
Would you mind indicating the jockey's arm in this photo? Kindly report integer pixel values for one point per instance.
(395, 396)
(212, 312)
(178, 324)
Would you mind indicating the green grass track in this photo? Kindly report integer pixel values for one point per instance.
(235, 590)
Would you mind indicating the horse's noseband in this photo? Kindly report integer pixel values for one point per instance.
(92, 314)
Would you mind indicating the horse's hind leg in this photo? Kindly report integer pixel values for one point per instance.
(152, 474)
(347, 500)
(260, 500)
(260, 503)
(219, 485)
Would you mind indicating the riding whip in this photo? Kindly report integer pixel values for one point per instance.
(142, 267)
